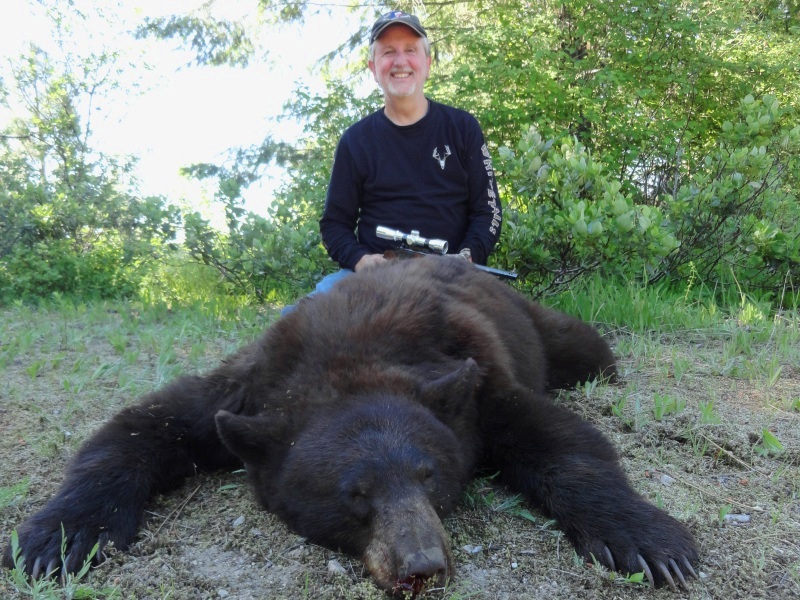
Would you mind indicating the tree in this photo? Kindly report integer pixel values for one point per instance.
(69, 222)
(281, 255)
(649, 93)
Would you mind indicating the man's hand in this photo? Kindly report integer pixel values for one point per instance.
(369, 260)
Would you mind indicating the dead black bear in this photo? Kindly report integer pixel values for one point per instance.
(361, 416)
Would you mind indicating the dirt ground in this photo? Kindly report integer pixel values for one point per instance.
(709, 466)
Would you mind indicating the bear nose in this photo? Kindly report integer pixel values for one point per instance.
(416, 568)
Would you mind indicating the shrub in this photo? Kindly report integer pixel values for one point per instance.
(50, 267)
(730, 211)
(565, 216)
(267, 258)
(735, 209)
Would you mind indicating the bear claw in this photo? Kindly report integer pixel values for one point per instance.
(51, 570)
(647, 572)
(609, 558)
(678, 572)
(669, 576)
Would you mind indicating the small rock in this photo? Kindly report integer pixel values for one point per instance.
(223, 593)
(470, 549)
(666, 479)
(297, 552)
(239, 522)
(336, 568)
(736, 518)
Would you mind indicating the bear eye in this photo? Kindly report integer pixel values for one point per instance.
(425, 473)
(358, 494)
(358, 501)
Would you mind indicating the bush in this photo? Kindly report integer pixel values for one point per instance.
(735, 210)
(178, 280)
(269, 259)
(730, 211)
(566, 217)
(50, 267)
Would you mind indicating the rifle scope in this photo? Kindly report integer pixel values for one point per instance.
(411, 239)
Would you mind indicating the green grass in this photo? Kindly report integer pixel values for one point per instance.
(665, 405)
(67, 347)
(757, 336)
(13, 494)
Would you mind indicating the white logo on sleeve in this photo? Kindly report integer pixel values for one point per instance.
(440, 158)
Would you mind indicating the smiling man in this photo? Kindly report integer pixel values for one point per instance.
(400, 60)
(415, 164)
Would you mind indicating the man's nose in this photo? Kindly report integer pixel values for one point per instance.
(400, 60)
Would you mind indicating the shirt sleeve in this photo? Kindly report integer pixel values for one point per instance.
(340, 215)
(485, 211)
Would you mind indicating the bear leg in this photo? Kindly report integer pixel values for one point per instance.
(574, 351)
(143, 450)
(567, 468)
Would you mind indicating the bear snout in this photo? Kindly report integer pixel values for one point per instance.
(409, 550)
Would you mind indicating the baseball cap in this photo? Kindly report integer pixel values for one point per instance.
(391, 18)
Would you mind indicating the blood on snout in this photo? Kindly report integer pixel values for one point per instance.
(413, 583)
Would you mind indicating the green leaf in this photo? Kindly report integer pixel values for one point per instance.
(770, 443)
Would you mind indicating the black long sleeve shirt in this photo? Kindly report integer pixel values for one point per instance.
(434, 176)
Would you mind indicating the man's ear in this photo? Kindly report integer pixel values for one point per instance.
(371, 65)
(250, 438)
(449, 394)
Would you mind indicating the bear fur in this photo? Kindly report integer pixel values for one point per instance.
(361, 416)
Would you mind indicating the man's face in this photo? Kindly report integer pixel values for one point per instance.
(400, 65)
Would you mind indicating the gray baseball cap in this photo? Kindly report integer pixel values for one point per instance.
(394, 17)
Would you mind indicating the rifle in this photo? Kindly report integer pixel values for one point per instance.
(413, 245)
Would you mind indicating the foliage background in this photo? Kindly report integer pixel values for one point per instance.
(644, 140)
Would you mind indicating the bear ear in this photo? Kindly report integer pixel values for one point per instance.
(447, 395)
(249, 438)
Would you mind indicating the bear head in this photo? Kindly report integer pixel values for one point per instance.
(371, 474)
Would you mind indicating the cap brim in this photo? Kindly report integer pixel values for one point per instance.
(377, 33)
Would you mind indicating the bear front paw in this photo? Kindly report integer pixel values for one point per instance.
(51, 550)
(658, 546)
(667, 570)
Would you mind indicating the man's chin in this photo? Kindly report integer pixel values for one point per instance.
(401, 91)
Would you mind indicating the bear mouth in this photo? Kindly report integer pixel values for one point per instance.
(415, 584)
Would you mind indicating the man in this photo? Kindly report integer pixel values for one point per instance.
(413, 165)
